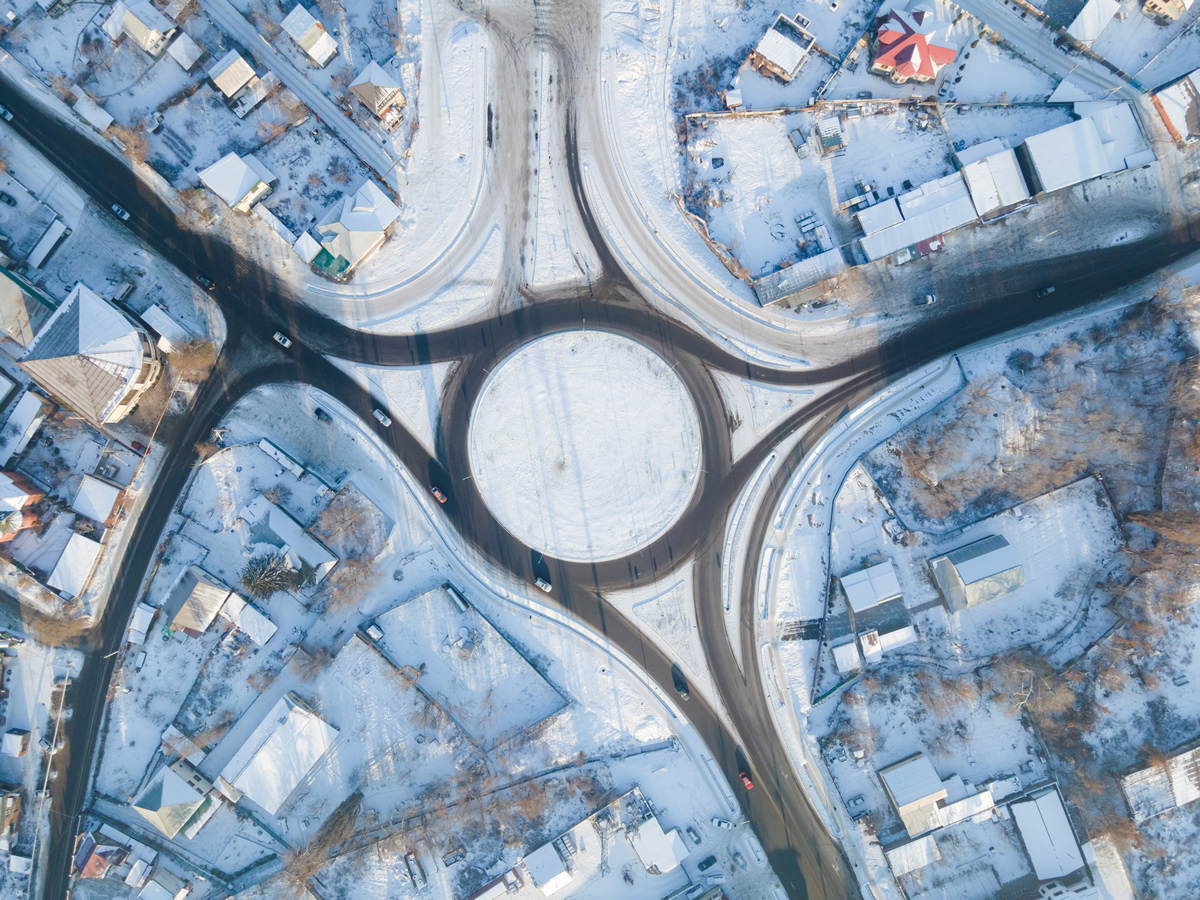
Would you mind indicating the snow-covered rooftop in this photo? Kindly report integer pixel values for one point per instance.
(871, 586)
(21, 425)
(185, 51)
(168, 801)
(800, 275)
(1179, 106)
(785, 46)
(915, 789)
(300, 547)
(1158, 788)
(255, 623)
(929, 209)
(74, 568)
(203, 596)
(882, 215)
(547, 870)
(1067, 155)
(96, 498)
(143, 615)
(310, 35)
(376, 88)
(238, 180)
(1047, 834)
(15, 742)
(92, 113)
(1092, 19)
(658, 850)
(356, 224)
(279, 753)
(846, 657)
(231, 73)
(913, 855)
(170, 332)
(995, 181)
(984, 558)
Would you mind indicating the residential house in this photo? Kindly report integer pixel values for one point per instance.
(1179, 106)
(238, 180)
(17, 495)
(93, 358)
(379, 92)
(203, 597)
(231, 73)
(74, 568)
(97, 498)
(310, 35)
(171, 802)
(784, 48)
(142, 22)
(352, 229)
(185, 51)
(903, 48)
(1166, 10)
(1047, 834)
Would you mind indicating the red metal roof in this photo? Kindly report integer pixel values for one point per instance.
(904, 48)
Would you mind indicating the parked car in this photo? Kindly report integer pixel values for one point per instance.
(205, 281)
(746, 780)
(7, 199)
(707, 863)
(681, 685)
(323, 416)
(739, 859)
(925, 300)
(283, 341)
(691, 832)
(719, 877)
(120, 213)
(864, 95)
(1045, 292)
(723, 823)
(543, 584)
(5, 114)
(437, 493)
(384, 419)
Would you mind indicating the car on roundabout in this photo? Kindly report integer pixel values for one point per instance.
(746, 780)
(437, 494)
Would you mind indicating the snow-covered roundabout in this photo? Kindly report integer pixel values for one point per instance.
(585, 445)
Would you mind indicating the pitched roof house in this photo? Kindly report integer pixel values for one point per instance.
(310, 35)
(353, 228)
(903, 49)
(784, 48)
(238, 180)
(231, 73)
(980, 571)
(377, 89)
(142, 22)
(169, 801)
(93, 358)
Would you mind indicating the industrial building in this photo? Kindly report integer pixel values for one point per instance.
(926, 212)
(1047, 835)
(993, 176)
(982, 570)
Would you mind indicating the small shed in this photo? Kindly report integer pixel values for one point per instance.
(846, 658)
(96, 498)
(143, 615)
(92, 112)
(231, 73)
(1047, 834)
(185, 51)
(74, 568)
(915, 789)
(871, 586)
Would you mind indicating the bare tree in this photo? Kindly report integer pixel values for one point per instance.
(134, 139)
(1178, 525)
(302, 864)
(351, 578)
(54, 631)
(206, 449)
(194, 360)
(266, 575)
(308, 664)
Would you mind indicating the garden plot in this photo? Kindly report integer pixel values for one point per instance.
(887, 150)
(477, 677)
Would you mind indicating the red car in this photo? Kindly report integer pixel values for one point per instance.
(441, 498)
(746, 780)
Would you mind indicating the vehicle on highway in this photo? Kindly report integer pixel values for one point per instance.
(681, 685)
(323, 416)
(120, 213)
(1045, 292)
(691, 832)
(543, 584)
(707, 863)
(205, 281)
(384, 419)
(7, 199)
(925, 300)
(437, 493)
(723, 823)
(282, 340)
(746, 780)
(5, 114)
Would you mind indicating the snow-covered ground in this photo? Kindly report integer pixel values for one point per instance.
(585, 445)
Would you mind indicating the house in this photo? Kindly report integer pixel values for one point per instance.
(1166, 10)
(306, 554)
(176, 799)
(15, 743)
(96, 854)
(1047, 834)
(231, 73)
(185, 51)
(238, 180)
(310, 35)
(17, 495)
(871, 586)
(1092, 19)
(24, 309)
(252, 621)
(93, 358)
(1064, 156)
(22, 424)
(1163, 786)
(659, 851)
(353, 228)
(279, 753)
(379, 92)
(203, 597)
(142, 22)
(546, 870)
(164, 886)
(915, 789)
(994, 179)
(10, 811)
(1179, 106)
(903, 49)
(784, 48)
(96, 498)
(74, 568)
(980, 571)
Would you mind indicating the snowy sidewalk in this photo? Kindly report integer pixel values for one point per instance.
(226, 16)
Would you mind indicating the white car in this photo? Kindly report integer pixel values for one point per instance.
(5, 114)
(543, 584)
(723, 823)
(282, 341)
(120, 213)
(384, 419)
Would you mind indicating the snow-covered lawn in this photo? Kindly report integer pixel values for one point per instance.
(585, 445)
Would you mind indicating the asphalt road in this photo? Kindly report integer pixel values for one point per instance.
(807, 860)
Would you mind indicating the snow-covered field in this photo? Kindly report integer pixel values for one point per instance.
(585, 445)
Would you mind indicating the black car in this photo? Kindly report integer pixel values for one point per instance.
(322, 416)
(681, 685)
(706, 864)
(7, 198)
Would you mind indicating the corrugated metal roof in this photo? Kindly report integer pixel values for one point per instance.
(984, 558)
(1047, 835)
(800, 275)
(1068, 155)
(913, 855)
(871, 586)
